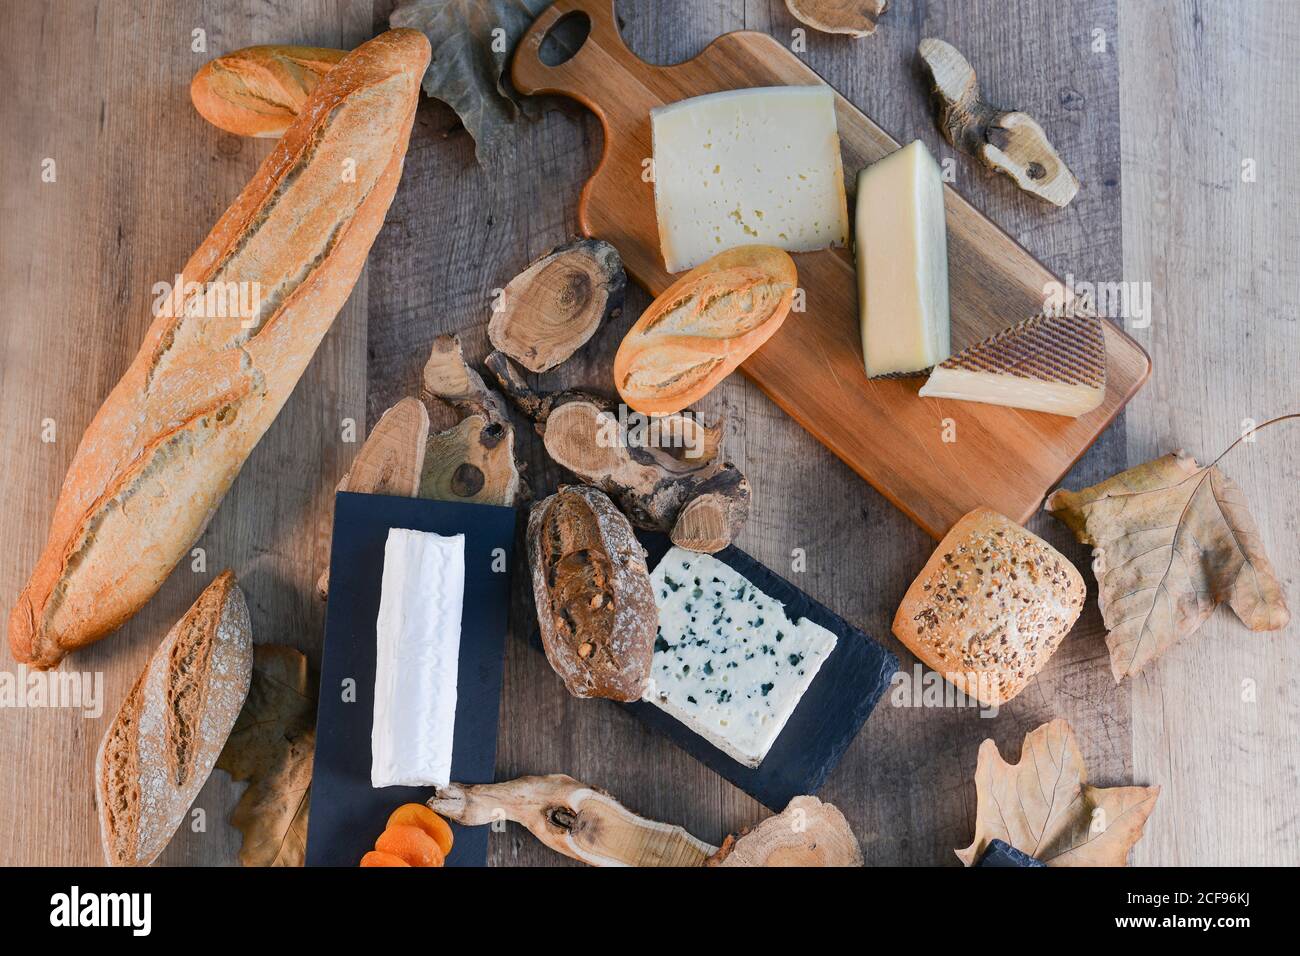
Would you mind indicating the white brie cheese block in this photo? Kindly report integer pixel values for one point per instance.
(418, 652)
(748, 166)
(902, 251)
(728, 662)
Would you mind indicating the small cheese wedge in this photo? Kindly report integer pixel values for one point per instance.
(902, 252)
(1054, 362)
(417, 656)
(748, 166)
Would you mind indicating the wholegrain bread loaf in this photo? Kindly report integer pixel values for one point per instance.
(168, 733)
(990, 606)
(172, 435)
(595, 605)
(702, 326)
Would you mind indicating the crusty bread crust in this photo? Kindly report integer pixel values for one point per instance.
(170, 438)
(159, 749)
(702, 326)
(990, 606)
(259, 90)
(595, 604)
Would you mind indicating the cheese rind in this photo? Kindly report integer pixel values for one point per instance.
(743, 167)
(728, 662)
(1054, 362)
(417, 656)
(901, 240)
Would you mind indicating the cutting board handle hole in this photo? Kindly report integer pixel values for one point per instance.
(563, 40)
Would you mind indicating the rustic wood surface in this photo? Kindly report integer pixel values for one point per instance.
(103, 91)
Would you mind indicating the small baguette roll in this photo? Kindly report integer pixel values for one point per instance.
(702, 327)
(990, 606)
(161, 746)
(260, 90)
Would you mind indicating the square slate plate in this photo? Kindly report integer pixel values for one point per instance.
(830, 714)
(347, 814)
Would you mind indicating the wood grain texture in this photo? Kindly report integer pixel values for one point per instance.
(457, 231)
(78, 259)
(104, 91)
(1215, 720)
(1003, 458)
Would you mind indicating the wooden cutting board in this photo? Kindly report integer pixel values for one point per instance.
(1005, 458)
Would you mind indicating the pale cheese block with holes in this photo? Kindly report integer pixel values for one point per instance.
(743, 167)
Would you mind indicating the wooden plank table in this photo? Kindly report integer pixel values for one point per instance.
(140, 179)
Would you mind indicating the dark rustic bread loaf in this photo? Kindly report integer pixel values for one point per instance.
(595, 605)
(161, 746)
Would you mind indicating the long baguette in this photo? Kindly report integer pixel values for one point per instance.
(172, 435)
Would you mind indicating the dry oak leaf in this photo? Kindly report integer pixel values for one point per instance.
(272, 747)
(1044, 806)
(1171, 541)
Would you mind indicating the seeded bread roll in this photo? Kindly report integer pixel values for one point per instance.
(161, 746)
(990, 607)
(595, 605)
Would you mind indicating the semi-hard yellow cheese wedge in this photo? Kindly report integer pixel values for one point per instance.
(902, 252)
(743, 167)
(1054, 362)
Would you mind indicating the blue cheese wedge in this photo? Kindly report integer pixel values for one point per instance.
(728, 662)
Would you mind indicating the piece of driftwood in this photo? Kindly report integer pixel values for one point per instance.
(574, 819)
(707, 523)
(448, 378)
(390, 462)
(857, 18)
(553, 307)
(1008, 141)
(473, 459)
(651, 467)
(806, 833)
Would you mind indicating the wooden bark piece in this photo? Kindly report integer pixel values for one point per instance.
(1008, 141)
(806, 833)
(651, 476)
(448, 377)
(857, 18)
(390, 462)
(574, 819)
(474, 459)
(707, 524)
(555, 305)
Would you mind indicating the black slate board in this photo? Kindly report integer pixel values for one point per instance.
(347, 814)
(834, 708)
(1002, 854)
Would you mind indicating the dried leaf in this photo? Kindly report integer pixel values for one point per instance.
(1171, 540)
(272, 747)
(1044, 806)
(467, 71)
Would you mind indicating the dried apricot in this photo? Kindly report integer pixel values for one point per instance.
(376, 858)
(418, 815)
(412, 844)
